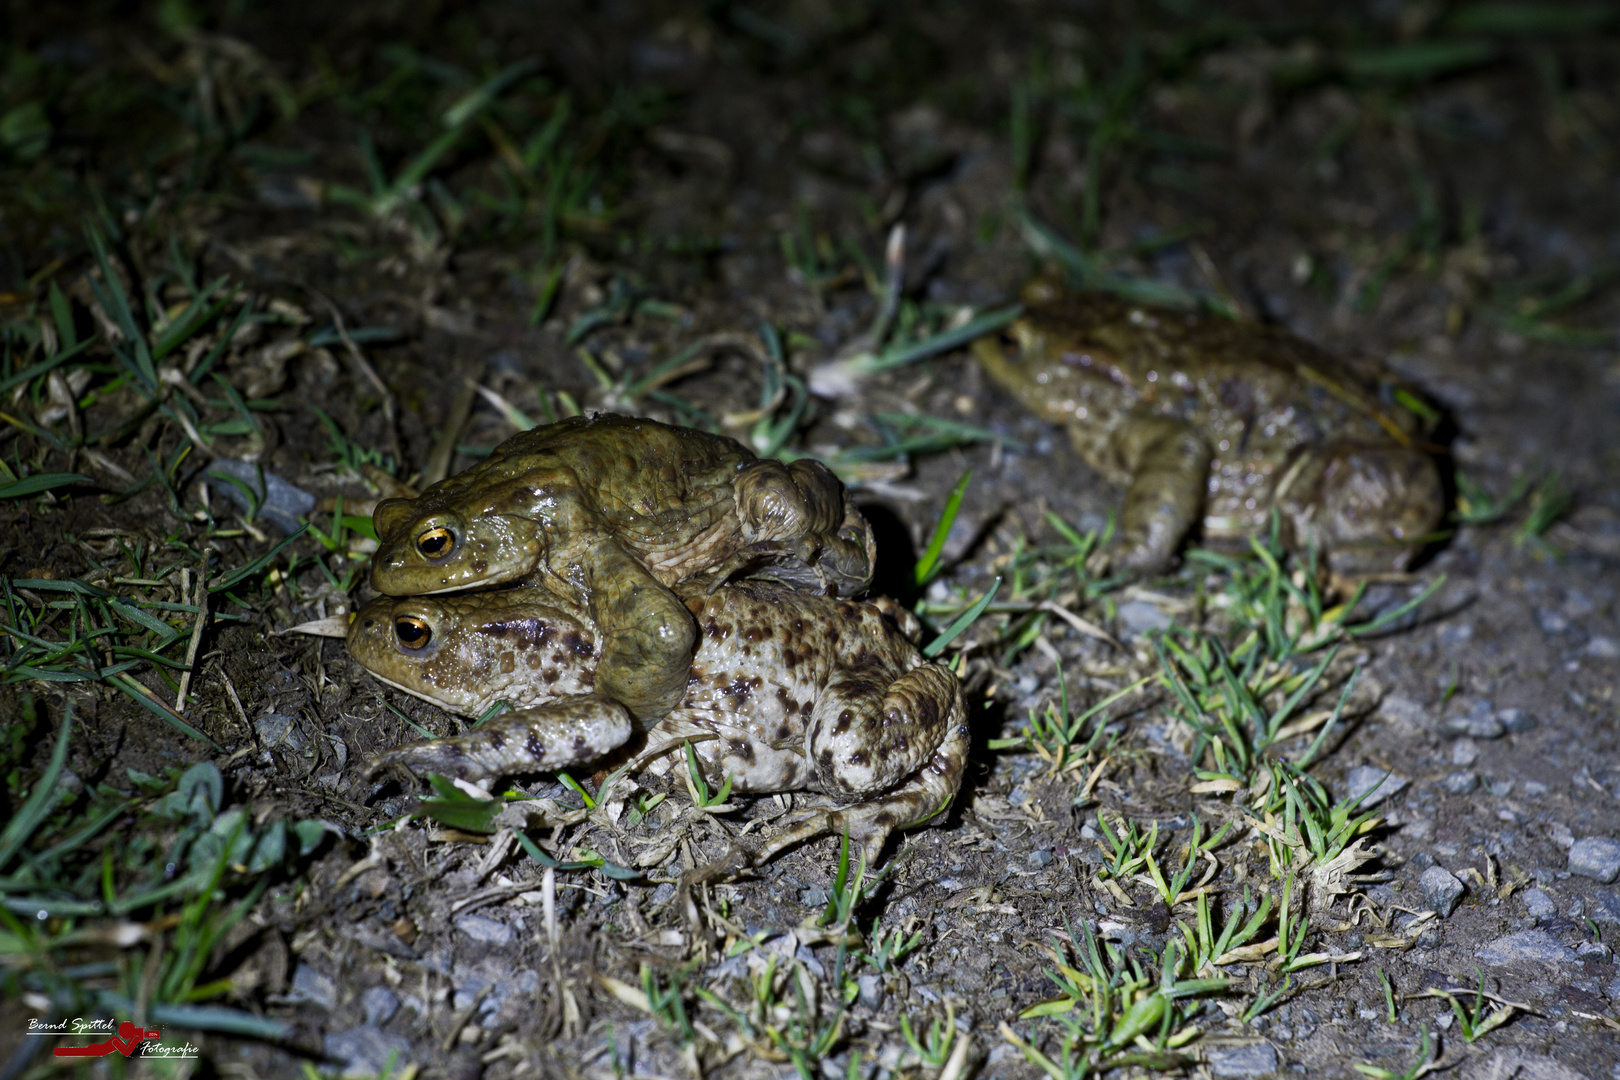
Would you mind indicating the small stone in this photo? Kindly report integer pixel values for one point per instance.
(1526, 946)
(1596, 857)
(366, 1050)
(1441, 890)
(814, 896)
(1605, 907)
(1464, 752)
(1256, 1059)
(1516, 720)
(1603, 648)
(489, 931)
(1534, 789)
(1552, 621)
(1040, 857)
(314, 987)
(870, 992)
(1375, 783)
(1592, 950)
(1519, 1065)
(380, 1004)
(1486, 727)
(1461, 783)
(1137, 617)
(1499, 788)
(281, 503)
(1539, 904)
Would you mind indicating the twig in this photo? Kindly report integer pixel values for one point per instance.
(196, 632)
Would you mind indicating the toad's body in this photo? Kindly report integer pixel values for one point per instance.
(606, 514)
(1219, 421)
(787, 692)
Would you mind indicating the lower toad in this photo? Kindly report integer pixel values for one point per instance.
(787, 692)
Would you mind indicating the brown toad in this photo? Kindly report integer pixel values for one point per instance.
(609, 512)
(787, 692)
(1220, 422)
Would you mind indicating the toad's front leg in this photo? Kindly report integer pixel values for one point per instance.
(647, 634)
(1169, 468)
(897, 752)
(557, 735)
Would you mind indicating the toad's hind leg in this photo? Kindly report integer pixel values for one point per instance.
(927, 793)
(898, 751)
(559, 734)
(1169, 467)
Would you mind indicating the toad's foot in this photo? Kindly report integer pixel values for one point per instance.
(801, 514)
(1169, 467)
(927, 793)
(563, 733)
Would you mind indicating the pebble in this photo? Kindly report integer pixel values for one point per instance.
(1257, 1059)
(1461, 783)
(1040, 857)
(365, 1050)
(1552, 621)
(1526, 946)
(1605, 907)
(1441, 890)
(1138, 617)
(282, 504)
(1369, 778)
(1603, 648)
(1516, 721)
(489, 931)
(870, 992)
(1539, 904)
(314, 987)
(1464, 752)
(1596, 857)
(380, 1004)
(1474, 727)
(1518, 1064)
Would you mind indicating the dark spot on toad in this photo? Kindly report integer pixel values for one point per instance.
(741, 748)
(530, 633)
(885, 819)
(537, 752)
(845, 719)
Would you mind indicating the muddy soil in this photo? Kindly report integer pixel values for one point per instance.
(1419, 220)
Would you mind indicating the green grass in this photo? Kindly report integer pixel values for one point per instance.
(117, 898)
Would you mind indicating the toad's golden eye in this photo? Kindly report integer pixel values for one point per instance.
(413, 632)
(436, 543)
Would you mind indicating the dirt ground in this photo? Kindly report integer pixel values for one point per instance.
(562, 197)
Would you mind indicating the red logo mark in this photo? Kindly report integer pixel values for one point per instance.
(128, 1038)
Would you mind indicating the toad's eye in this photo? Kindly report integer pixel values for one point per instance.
(413, 632)
(436, 543)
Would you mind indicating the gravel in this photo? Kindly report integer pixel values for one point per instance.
(1441, 890)
(380, 1004)
(365, 1050)
(1461, 782)
(281, 503)
(1539, 904)
(488, 931)
(1526, 946)
(314, 987)
(1364, 779)
(1258, 1059)
(1596, 857)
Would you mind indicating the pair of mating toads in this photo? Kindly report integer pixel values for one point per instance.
(645, 582)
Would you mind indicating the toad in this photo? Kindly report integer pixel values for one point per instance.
(786, 692)
(1219, 423)
(609, 512)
